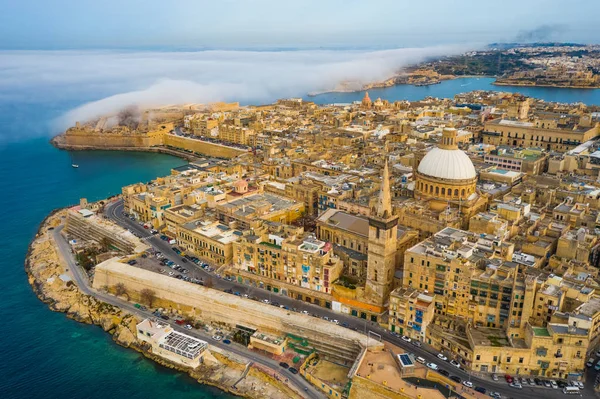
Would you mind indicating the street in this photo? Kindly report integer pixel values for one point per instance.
(83, 283)
(114, 211)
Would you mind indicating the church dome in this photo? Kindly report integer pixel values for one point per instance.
(450, 164)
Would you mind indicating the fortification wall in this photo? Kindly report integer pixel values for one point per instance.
(211, 305)
(202, 147)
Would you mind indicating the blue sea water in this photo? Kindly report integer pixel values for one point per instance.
(45, 355)
(449, 88)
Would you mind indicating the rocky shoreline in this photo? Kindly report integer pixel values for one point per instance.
(47, 275)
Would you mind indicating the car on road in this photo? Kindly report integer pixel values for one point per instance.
(468, 384)
(441, 356)
(217, 337)
(578, 384)
(455, 378)
(416, 343)
(284, 365)
(481, 389)
(455, 363)
(553, 384)
(226, 341)
(432, 366)
(405, 338)
(293, 370)
(515, 385)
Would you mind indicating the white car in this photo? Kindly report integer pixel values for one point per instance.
(455, 363)
(516, 385)
(468, 384)
(554, 385)
(266, 301)
(598, 353)
(405, 338)
(217, 337)
(420, 360)
(188, 327)
(432, 366)
(441, 356)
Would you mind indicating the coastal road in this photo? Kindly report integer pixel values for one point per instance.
(114, 211)
(83, 283)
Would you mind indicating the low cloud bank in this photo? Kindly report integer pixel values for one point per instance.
(157, 78)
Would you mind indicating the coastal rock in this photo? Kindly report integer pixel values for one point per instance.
(47, 276)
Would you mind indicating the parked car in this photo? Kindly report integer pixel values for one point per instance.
(455, 363)
(217, 337)
(443, 372)
(495, 395)
(432, 366)
(405, 338)
(455, 378)
(553, 384)
(284, 365)
(293, 370)
(530, 381)
(420, 360)
(468, 384)
(441, 356)
(516, 385)
(538, 381)
(547, 384)
(508, 378)
(590, 362)
(481, 389)
(188, 327)
(226, 341)
(495, 377)
(416, 343)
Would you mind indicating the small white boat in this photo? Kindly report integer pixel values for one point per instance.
(74, 165)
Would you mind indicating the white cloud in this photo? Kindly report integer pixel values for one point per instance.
(155, 78)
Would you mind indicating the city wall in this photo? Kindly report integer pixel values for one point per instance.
(211, 305)
(87, 139)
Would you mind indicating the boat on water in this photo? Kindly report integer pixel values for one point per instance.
(74, 165)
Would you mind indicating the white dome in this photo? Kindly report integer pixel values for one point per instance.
(447, 164)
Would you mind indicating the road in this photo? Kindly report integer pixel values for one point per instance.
(84, 285)
(114, 211)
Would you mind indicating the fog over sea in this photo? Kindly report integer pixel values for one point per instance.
(44, 354)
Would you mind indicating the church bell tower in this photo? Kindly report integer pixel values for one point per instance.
(381, 255)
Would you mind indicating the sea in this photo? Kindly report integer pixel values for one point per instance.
(44, 354)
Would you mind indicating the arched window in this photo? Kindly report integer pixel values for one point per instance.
(443, 191)
(456, 192)
(437, 190)
(463, 192)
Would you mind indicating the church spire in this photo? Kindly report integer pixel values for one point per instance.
(384, 201)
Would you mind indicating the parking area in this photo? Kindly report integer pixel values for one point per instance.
(156, 262)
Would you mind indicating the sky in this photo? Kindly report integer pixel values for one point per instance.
(85, 58)
(80, 24)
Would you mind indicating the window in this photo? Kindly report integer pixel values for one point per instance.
(478, 357)
(508, 359)
(520, 360)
